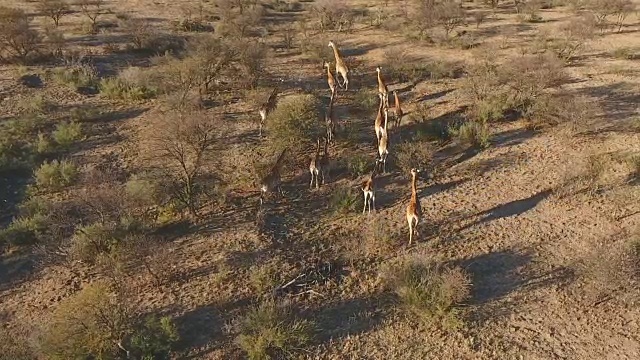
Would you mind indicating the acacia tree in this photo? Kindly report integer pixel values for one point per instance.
(54, 9)
(449, 14)
(182, 142)
(17, 38)
(92, 9)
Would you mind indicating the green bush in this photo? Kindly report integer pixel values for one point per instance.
(43, 144)
(472, 133)
(91, 241)
(119, 89)
(155, 338)
(358, 165)
(24, 126)
(427, 290)
(88, 325)
(24, 230)
(66, 133)
(343, 200)
(412, 155)
(56, 175)
(270, 327)
(295, 122)
(14, 155)
(34, 106)
(76, 77)
(367, 101)
(142, 191)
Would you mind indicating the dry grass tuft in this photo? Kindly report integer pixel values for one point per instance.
(429, 291)
(270, 330)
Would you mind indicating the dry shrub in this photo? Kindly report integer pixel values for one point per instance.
(54, 41)
(427, 290)
(604, 9)
(92, 10)
(414, 155)
(295, 122)
(531, 9)
(182, 143)
(271, 330)
(333, 15)
(238, 17)
(519, 87)
(18, 40)
(609, 269)
(193, 18)
(472, 133)
(14, 344)
(53, 9)
(588, 179)
(571, 37)
(377, 241)
(209, 62)
(554, 109)
(428, 14)
(139, 31)
(251, 63)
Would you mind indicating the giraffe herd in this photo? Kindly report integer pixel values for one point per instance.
(319, 165)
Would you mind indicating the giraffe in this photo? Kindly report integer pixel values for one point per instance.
(341, 67)
(413, 209)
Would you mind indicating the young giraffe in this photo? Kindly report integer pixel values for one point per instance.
(413, 209)
(397, 109)
(369, 190)
(341, 67)
(331, 81)
(330, 122)
(382, 86)
(377, 125)
(272, 181)
(383, 143)
(314, 166)
(267, 107)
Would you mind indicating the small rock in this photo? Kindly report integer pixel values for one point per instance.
(31, 81)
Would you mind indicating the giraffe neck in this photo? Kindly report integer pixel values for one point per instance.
(414, 194)
(336, 53)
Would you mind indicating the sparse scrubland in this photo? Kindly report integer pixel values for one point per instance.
(131, 173)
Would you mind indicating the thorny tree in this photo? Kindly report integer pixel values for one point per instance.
(181, 142)
(54, 9)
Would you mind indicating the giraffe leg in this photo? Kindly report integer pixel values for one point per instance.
(364, 207)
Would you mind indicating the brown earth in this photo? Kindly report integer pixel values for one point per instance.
(497, 212)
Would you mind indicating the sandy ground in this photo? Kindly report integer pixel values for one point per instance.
(495, 213)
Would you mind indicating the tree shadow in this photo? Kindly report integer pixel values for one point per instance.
(202, 329)
(433, 96)
(16, 269)
(499, 275)
(438, 188)
(619, 102)
(512, 137)
(350, 317)
(513, 208)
